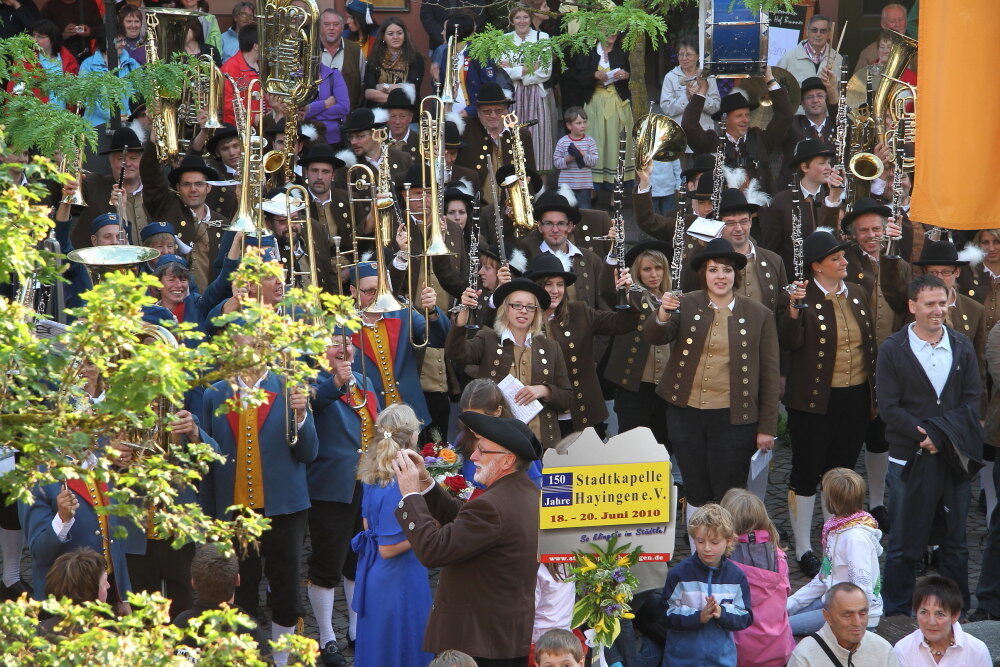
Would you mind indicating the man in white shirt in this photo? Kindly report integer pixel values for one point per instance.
(844, 639)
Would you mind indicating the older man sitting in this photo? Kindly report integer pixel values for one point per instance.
(487, 545)
(844, 639)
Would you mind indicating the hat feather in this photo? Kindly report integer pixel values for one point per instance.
(309, 131)
(409, 90)
(457, 119)
(508, 93)
(564, 260)
(826, 229)
(735, 177)
(465, 185)
(380, 116)
(972, 254)
(755, 195)
(139, 130)
(347, 157)
(566, 192)
(519, 260)
(367, 255)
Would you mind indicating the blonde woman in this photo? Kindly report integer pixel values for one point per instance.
(517, 346)
(392, 594)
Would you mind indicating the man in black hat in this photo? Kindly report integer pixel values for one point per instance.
(745, 147)
(357, 130)
(327, 204)
(98, 189)
(401, 107)
(224, 148)
(817, 121)
(488, 544)
(486, 137)
(700, 163)
(818, 189)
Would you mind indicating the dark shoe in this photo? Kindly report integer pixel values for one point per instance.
(350, 642)
(982, 614)
(14, 592)
(809, 564)
(881, 515)
(331, 655)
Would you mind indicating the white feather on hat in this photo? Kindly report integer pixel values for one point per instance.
(825, 229)
(347, 157)
(139, 130)
(508, 93)
(564, 259)
(309, 131)
(457, 119)
(519, 260)
(735, 177)
(566, 192)
(380, 116)
(367, 255)
(755, 195)
(409, 90)
(465, 185)
(972, 254)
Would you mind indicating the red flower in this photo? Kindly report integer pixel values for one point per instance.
(455, 483)
(428, 450)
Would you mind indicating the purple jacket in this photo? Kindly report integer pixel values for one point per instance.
(768, 641)
(331, 82)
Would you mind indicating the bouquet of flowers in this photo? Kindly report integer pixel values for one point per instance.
(443, 463)
(604, 587)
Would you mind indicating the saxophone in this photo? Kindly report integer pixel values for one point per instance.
(516, 185)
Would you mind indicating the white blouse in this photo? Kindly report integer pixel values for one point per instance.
(516, 70)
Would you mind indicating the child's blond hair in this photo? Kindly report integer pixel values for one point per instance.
(715, 519)
(749, 513)
(559, 642)
(394, 431)
(844, 492)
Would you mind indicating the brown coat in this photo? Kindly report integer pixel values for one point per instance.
(478, 146)
(351, 71)
(399, 164)
(812, 343)
(486, 548)
(753, 352)
(800, 129)
(575, 331)
(495, 360)
(97, 193)
(629, 352)
(992, 358)
(776, 222)
(593, 274)
(893, 277)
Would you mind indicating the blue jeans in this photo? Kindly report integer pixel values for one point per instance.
(807, 620)
(664, 205)
(583, 198)
(988, 592)
(900, 573)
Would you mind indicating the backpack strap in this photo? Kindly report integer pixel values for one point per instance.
(826, 649)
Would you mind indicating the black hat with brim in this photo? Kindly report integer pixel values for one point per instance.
(639, 248)
(227, 131)
(939, 253)
(811, 83)
(452, 137)
(807, 149)
(398, 99)
(455, 193)
(522, 285)
(861, 207)
(513, 255)
(732, 102)
(553, 201)
(704, 190)
(535, 182)
(360, 120)
(504, 431)
(718, 249)
(701, 163)
(819, 245)
(733, 200)
(491, 93)
(191, 163)
(547, 265)
(124, 139)
(321, 153)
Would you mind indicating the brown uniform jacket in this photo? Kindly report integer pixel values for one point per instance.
(222, 198)
(495, 360)
(411, 146)
(992, 358)
(97, 194)
(478, 147)
(629, 352)
(495, 534)
(812, 342)
(753, 354)
(776, 222)
(893, 277)
(977, 283)
(575, 331)
(593, 274)
(800, 129)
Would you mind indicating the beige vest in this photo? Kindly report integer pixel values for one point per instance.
(848, 368)
(710, 390)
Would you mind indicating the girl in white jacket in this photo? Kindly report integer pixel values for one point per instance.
(850, 553)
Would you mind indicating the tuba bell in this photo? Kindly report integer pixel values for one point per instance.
(902, 51)
(658, 137)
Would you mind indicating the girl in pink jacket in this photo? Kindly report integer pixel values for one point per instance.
(768, 641)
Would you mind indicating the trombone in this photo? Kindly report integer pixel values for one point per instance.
(249, 218)
(345, 340)
(361, 178)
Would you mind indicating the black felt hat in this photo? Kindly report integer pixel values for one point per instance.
(553, 201)
(491, 93)
(811, 83)
(547, 265)
(516, 259)
(227, 131)
(732, 102)
(733, 200)
(807, 149)
(704, 190)
(321, 153)
(125, 139)
(701, 163)
(939, 253)
(861, 207)
(191, 163)
(452, 135)
(399, 99)
(639, 248)
(718, 249)
(820, 244)
(535, 182)
(504, 431)
(359, 120)
(522, 285)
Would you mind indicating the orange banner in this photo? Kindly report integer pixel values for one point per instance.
(958, 136)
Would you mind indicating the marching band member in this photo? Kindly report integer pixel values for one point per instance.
(485, 135)
(386, 353)
(828, 392)
(721, 379)
(453, 144)
(267, 449)
(344, 408)
(661, 227)
(818, 120)
(574, 326)
(327, 204)
(401, 105)
(492, 274)
(285, 229)
(124, 152)
(982, 282)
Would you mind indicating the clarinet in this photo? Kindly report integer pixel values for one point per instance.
(677, 259)
(618, 217)
(718, 176)
(841, 122)
(897, 188)
(474, 261)
(797, 259)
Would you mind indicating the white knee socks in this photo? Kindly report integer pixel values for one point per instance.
(11, 542)
(801, 510)
(321, 600)
(876, 465)
(277, 631)
(985, 479)
(352, 616)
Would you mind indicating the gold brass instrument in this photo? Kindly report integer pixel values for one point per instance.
(301, 197)
(166, 34)
(289, 64)
(516, 185)
(431, 162)
(76, 199)
(760, 97)
(902, 51)
(658, 137)
(345, 339)
(248, 218)
(451, 72)
(361, 178)
(905, 94)
(202, 93)
(157, 439)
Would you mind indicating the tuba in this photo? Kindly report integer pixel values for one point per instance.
(516, 185)
(902, 51)
(658, 137)
(166, 32)
(289, 64)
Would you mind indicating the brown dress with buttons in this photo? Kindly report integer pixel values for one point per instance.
(978, 283)
(541, 363)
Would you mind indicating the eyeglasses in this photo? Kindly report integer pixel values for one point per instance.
(819, 30)
(369, 292)
(526, 307)
(942, 273)
(741, 223)
(483, 452)
(492, 112)
(548, 224)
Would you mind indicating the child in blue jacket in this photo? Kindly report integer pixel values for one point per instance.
(707, 596)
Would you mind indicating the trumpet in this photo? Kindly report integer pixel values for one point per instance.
(76, 199)
(345, 339)
(451, 72)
